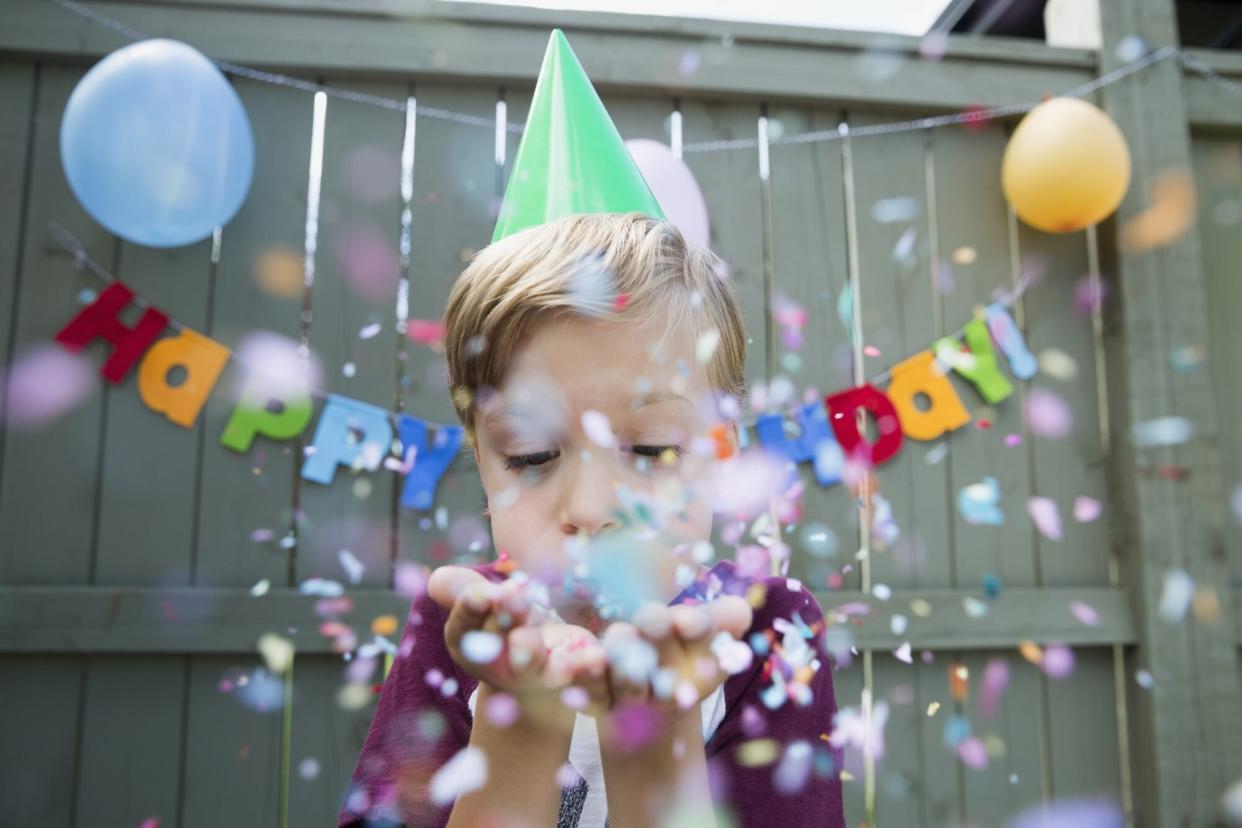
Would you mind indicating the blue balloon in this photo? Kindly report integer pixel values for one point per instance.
(156, 144)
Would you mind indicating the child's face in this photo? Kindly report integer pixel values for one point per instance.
(575, 384)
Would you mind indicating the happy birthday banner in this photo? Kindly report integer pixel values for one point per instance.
(920, 401)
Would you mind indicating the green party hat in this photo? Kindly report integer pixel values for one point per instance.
(571, 158)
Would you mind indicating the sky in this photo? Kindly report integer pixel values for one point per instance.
(912, 17)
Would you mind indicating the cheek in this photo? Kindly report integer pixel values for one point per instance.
(527, 533)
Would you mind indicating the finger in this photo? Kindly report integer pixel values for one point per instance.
(654, 620)
(470, 612)
(631, 662)
(692, 623)
(527, 655)
(447, 582)
(731, 614)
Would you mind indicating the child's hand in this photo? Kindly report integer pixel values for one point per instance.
(496, 634)
(666, 656)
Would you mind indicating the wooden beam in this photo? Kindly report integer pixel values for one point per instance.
(1210, 106)
(213, 620)
(458, 42)
(1186, 729)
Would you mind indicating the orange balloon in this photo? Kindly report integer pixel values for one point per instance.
(1067, 166)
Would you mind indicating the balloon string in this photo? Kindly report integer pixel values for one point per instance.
(818, 136)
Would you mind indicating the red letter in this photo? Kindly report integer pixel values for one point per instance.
(99, 319)
(843, 414)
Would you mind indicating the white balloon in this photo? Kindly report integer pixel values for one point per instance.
(674, 187)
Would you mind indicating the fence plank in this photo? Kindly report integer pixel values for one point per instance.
(1082, 729)
(231, 753)
(896, 307)
(356, 277)
(48, 496)
(17, 90)
(130, 752)
(1218, 181)
(39, 717)
(245, 493)
(809, 254)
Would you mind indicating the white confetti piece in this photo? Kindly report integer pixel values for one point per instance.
(261, 588)
(464, 773)
(1179, 588)
(321, 587)
(481, 647)
(733, 656)
(352, 566)
(598, 429)
(1162, 431)
(903, 653)
(277, 652)
(706, 345)
(369, 331)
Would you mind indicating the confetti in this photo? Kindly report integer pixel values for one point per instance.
(424, 331)
(260, 588)
(1169, 215)
(1085, 613)
(995, 680)
(384, 625)
(1144, 679)
(895, 209)
(481, 647)
(368, 261)
(308, 768)
(1187, 357)
(464, 773)
(705, 346)
(321, 587)
(1046, 516)
(1175, 597)
(502, 710)
(277, 652)
(598, 429)
(1058, 661)
(1057, 364)
(794, 769)
(1162, 431)
(732, 655)
(1086, 509)
(43, 383)
(964, 256)
(991, 585)
(973, 753)
(1070, 813)
(845, 307)
(936, 453)
(902, 653)
(1235, 503)
(757, 752)
(852, 727)
(979, 503)
(1048, 415)
(352, 566)
(278, 272)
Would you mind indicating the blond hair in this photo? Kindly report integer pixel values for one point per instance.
(608, 265)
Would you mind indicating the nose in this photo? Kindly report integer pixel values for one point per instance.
(589, 496)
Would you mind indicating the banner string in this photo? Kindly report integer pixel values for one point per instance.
(818, 136)
(83, 261)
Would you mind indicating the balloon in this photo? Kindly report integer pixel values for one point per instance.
(1067, 166)
(156, 145)
(674, 187)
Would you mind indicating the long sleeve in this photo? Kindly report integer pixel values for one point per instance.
(770, 757)
(422, 720)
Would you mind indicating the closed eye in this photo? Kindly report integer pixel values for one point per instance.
(521, 461)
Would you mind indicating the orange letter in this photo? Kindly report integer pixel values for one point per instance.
(202, 358)
(918, 375)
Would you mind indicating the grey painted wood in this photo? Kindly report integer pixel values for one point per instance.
(1194, 726)
(150, 465)
(897, 309)
(326, 740)
(901, 786)
(130, 754)
(454, 193)
(231, 752)
(244, 493)
(738, 61)
(17, 91)
(48, 497)
(847, 687)
(1218, 180)
(809, 267)
(224, 620)
(39, 716)
(358, 229)
(1082, 729)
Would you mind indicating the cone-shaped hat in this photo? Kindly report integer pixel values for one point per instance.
(571, 158)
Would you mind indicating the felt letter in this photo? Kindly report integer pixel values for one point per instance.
(350, 433)
(843, 409)
(431, 460)
(202, 359)
(814, 442)
(258, 411)
(979, 366)
(99, 319)
(1007, 336)
(919, 375)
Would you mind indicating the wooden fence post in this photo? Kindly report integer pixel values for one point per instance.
(1186, 727)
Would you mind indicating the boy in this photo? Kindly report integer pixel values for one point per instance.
(599, 673)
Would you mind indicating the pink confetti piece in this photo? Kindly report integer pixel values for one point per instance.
(424, 331)
(409, 580)
(1070, 813)
(871, 351)
(902, 653)
(1013, 440)
(1046, 516)
(262, 535)
(1085, 613)
(995, 680)
(502, 710)
(1048, 415)
(1058, 661)
(1086, 509)
(973, 753)
(43, 383)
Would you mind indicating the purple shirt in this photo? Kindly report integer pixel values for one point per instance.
(423, 718)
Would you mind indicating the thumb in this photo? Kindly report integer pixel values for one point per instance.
(732, 614)
(447, 582)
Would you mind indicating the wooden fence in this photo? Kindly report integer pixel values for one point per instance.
(127, 544)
